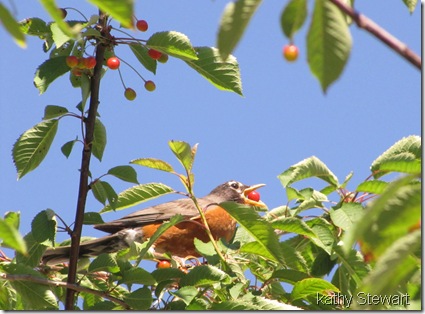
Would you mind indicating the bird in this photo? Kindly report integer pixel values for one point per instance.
(178, 241)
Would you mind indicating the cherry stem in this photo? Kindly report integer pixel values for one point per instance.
(370, 26)
(129, 65)
(70, 8)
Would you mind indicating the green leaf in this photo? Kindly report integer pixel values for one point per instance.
(257, 227)
(404, 156)
(293, 225)
(140, 299)
(11, 26)
(165, 274)
(34, 296)
(122, 11)
(252, 304)
(11, 237)
(64, 50)
(12, 219)
(205, 275)
(103, 191)
(34, 252)
(322, 264)
(233, 23)
(373, 187)
(137, 275)
(187, 294)
(387, 217)
(307, 168)
(293, 17)
(35, 27)
(141, 53)
(51, 112)
(324, 234)
(32, 146)
(99, 140)
(138, 194)
(104, 262)
(312, 286)
(328, 43)
(51, 7)
(49, 71)
(396, 266)
(59, 37)
(153, 163)
(411, 4)
(43, 227)
(346, 215)
(125, 173)
(224, 75)
(184, 153)
(289, 275)
(164, 227)
(174, 44)
(67, 147)
(92, 218)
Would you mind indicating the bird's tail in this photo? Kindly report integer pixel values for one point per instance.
(108, 244)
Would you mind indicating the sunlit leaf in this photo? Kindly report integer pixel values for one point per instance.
(307, 168)
(404, 156)
(10, 237)
(312, 286)
(122, 10)
(258, 228)
(204, 275)
(138, 194)
(174, 44)
(11, 26)
(346, 215)
(153, 163)
(224, 75)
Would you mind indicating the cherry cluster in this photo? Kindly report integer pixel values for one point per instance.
(85, 65)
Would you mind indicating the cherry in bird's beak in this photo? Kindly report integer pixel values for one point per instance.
(252, 202)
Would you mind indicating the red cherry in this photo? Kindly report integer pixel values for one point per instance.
(113, 63)
(150, 86)
(163, 264)
(154, 54)
(71, 61)
(142, 25)
(290, 52)
(130, 94)
(163, 58)
(89, 62)
(77, 71)
(254, 196)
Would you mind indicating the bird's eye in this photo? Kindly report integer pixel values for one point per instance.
(234, 185)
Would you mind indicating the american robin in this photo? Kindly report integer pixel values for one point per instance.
(177, 240)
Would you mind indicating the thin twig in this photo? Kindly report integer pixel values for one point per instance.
(380, 33)
(85, 165)
(67, 285)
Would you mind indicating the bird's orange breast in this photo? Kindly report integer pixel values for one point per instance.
(179, 239)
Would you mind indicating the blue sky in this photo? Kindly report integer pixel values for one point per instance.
(283, 117)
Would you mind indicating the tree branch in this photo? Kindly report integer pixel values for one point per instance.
(85, 165)
(73, 287)
(380, 33)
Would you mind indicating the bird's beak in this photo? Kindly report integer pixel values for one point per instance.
(248, 201)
